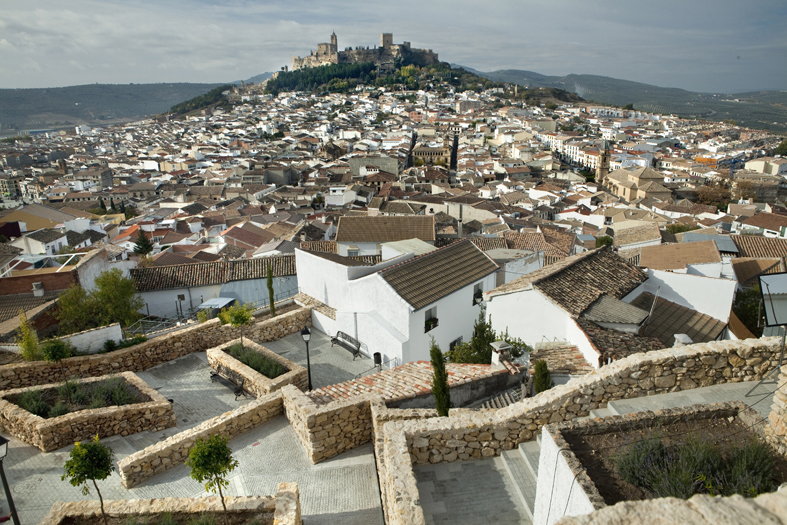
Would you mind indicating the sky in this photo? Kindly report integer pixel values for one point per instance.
(700, 45)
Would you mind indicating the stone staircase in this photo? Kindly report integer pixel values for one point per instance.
(522, 467)
(509, 397)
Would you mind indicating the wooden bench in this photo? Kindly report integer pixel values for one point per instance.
(348, 342)
(231, 379)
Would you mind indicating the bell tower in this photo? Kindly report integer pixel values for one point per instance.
(334, 45)
(602, 169)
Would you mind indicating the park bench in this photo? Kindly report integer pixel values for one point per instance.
(231, 379)
(348, 342)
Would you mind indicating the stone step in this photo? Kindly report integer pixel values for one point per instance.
(530, 452)
(523, 480)
(611, 409)
(601, 412)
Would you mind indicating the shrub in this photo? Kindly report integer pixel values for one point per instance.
(202, 519)
(59, 409)
(110, 345)
(28, 339)
(257, 361)
(440, 388)
(639, 460)
(33, 401)
(97, 402)
(202, 316)
(542, 378)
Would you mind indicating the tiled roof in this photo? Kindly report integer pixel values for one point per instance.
(768, 221)
(320, 246)
(615, 344)
(756, 246)
(577, 281)
(425, 279)
(645, 232)
(561, 359)
(608, 309)
(385, 228)
(677, 256)
(204, 274)
(669, 318)
(747, 269)
(534, 241)
(11, 304)
(46, 235)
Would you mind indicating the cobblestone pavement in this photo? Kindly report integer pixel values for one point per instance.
(341, 490)
(469, 492)
(330, 365)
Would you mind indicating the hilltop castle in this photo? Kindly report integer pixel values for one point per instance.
(383, 56)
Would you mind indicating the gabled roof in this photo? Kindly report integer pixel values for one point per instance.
(575, 282)
(423, 280)
(385, 228)
(205, 274)
(677, 256)
(46, 235)
(669, 318)
(768, 221)
(756, 246)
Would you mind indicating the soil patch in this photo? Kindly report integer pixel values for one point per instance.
(279, 311)
(598, 452)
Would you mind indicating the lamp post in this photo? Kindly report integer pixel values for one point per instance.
(6, 488)
(306, 335)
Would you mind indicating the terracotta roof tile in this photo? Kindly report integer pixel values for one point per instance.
(385, 228)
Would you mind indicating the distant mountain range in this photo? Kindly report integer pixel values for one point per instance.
(757, 109)
(93, 104)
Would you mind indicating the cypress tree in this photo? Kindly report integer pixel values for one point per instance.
(542, 378)
(440, 391)
(103, 205)
(270, 292)
(112, 205)
(143, 245)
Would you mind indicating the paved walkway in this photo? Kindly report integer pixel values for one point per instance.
(341, 490)
(330, 365)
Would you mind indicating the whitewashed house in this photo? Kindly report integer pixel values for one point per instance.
(362, 235)
(397, 306)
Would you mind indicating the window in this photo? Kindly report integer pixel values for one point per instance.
(430, 319)
(453, 344)
(353, 251)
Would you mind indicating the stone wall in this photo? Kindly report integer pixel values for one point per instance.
(255, 382)
(197, 338)
(54, 433)
(565, 489)
(485, 433)
(776, 431)
(281, 509)
(158, 458)
(328, 430)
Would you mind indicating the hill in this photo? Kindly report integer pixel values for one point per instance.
(761, 109)
(95, 104)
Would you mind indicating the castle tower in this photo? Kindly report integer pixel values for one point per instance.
(602, 169)
(334, 45)
(386, 40)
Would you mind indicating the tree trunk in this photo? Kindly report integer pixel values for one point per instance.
(101, 499)
(226, 518)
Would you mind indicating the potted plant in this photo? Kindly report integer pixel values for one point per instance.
(478, 297)
(430, 324)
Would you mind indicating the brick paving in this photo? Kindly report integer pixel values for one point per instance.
(402, 382)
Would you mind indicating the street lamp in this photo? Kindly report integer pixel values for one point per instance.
(6, 488)
(306, 335)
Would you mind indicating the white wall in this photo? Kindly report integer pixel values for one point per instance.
(706, 295)
(519, 267)
(92, 341)
(556, 489)
(161, 303)
(364, 248)
(528, 315)
(576, 336)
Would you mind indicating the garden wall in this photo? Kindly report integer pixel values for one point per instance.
(565, 489)
(92, 341)
(255, 382)
(282, 509)
(486, 433)
(54, 433)
(158, 458)
(154, 352)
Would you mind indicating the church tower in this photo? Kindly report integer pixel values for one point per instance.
(602, 169)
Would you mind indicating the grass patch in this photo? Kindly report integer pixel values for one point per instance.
(72, 397)
(697, 466)
(257, 361)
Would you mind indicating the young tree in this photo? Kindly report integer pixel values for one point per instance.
(270, 292)
(27, 339)
(89, 461)
(237, 316)
(440, 390)
(210, 461)
(604, 240)
(143, 246)
(54, 351)
(75, 310)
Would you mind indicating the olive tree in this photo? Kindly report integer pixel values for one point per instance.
(237, 316)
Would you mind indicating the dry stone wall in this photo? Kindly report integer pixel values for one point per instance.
(255, 382)
(158, 458)
(281, 509)
(486, 433)
(328, 430)
(154, 352)
(57, 432)
(776, 431)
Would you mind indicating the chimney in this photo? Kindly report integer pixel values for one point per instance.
(38, 289)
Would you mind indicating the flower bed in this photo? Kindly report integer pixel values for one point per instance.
(255, 382)
(257, 361)
(103, 406)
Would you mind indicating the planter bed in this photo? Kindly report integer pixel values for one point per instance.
(255, 382)
(104, 406)
(669, 453)
(250, 517)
